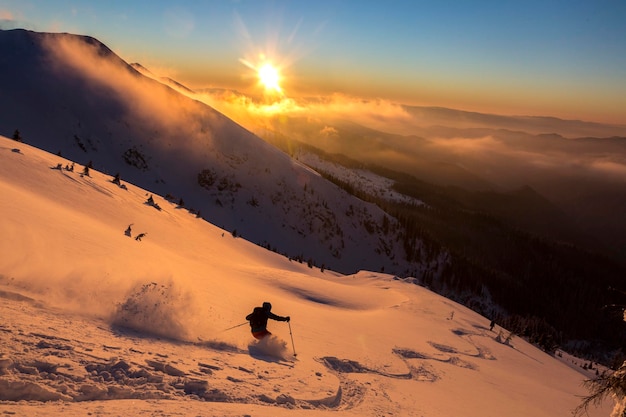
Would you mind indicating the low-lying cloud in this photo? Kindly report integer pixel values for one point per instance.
(503, 157)
(255, 113)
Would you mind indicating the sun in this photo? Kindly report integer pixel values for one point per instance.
(269, 78)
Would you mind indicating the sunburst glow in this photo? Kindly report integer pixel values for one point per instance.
(269, 77)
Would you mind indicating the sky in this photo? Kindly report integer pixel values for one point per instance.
(554, 58)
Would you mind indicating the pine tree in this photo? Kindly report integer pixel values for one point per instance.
(613, 384)
(17, 136)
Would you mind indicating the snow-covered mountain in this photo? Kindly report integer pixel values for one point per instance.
(98, 322)
(73, 96)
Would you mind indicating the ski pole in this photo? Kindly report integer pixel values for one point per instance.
(239, 325)
(292, 345)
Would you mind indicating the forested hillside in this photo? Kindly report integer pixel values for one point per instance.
(551, 290)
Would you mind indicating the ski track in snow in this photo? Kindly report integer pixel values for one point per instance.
(46, 364)
(49, 365)
(416, 362)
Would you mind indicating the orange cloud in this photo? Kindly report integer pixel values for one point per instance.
(6, 15)
(329, 132)
(255, 114)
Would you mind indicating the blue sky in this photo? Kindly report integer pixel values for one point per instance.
(562, 58)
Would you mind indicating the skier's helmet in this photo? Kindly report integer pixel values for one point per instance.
(267, 306)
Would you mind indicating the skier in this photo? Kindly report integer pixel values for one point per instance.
(258, 320)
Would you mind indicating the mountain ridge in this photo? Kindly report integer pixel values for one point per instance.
(90, 110)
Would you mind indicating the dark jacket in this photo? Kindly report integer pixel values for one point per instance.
(259, 316)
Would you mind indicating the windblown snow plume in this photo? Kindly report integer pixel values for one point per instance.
(155, 309)
(270, 346)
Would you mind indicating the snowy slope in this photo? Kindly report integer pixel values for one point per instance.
(73, 96)
(96, 322)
